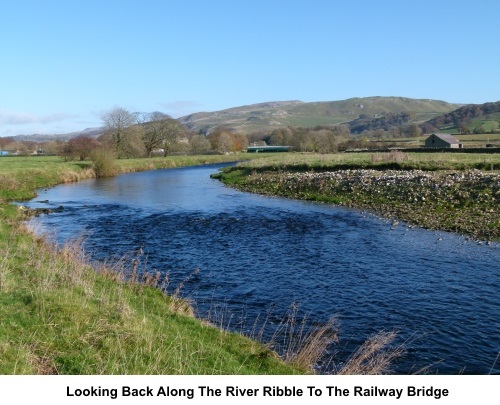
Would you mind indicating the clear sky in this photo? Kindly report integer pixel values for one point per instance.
(63, 63)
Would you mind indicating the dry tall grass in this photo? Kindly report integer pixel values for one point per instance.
(131, 270)
(392, 156)
(373, 357)
(8, 182)
(312, 346)
(104, 163)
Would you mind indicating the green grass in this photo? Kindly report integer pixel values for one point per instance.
(485, 123)
(309, 122)
(375, 160)
(21, 176)
(479, 138)
(469, 141)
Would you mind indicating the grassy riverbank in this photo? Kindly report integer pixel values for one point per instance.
(451, 192)
(59, 315)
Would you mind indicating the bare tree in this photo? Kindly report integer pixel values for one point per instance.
(200, 144)
(79, 147)
(116, 123)
(52, 147)
(121, 133)
(161, 132)
(17, 147)
(225, 144)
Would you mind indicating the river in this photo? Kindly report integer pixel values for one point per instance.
(245, 260)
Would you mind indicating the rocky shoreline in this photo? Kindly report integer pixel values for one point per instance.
(466, 202)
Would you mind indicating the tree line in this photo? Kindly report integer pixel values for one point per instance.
(321, 139)
(128, 134)
(131, 135)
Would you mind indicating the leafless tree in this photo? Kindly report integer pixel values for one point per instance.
(121, 133)
(200, 144)
(161, 132)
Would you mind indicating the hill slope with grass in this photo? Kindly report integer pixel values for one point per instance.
(471, 118)
(265, 117)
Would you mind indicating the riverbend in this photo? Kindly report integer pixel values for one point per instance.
(244, 260)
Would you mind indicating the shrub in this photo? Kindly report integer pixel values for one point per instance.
(104, 163)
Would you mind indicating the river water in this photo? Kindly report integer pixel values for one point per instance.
(246, 261)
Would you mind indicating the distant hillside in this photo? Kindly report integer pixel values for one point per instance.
(245, 118)
(92, 132)
(385, 122)
(265, 117)
(478, 118)
(361, 113)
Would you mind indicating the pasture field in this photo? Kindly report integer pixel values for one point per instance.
(469, 141)
(380, 160)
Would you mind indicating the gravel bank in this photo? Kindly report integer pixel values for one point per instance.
(466, 202)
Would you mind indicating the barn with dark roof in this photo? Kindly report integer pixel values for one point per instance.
(442, 141)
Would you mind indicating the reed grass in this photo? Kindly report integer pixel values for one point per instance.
(374, 357)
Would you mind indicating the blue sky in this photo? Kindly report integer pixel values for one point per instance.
(64, 63)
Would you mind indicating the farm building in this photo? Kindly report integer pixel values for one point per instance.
(442, 141)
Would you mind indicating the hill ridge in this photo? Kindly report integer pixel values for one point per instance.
(264, 117)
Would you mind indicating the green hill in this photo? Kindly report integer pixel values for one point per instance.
(265, 117)
(471, 118)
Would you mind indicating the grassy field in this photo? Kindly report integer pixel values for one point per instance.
(380, 160)
(469, 141)
(451, 192)
(479, 140)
